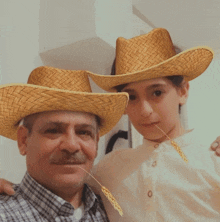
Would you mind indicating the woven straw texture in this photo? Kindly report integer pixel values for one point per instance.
(51, 89)
(151, 56)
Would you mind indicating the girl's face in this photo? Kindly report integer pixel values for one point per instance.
(156, 101)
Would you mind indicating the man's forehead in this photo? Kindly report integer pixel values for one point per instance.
(63, 114)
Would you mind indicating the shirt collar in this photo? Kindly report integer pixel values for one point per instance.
(89, 198)
(181, 140)
(47, 203)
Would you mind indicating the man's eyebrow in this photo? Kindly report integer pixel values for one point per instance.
(52, 123)
(58, 123)
(85, 125)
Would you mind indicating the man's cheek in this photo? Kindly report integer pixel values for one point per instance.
(91, 152)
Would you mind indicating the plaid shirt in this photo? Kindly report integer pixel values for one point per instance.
(32, 202)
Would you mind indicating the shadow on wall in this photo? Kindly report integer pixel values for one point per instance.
(92, 54)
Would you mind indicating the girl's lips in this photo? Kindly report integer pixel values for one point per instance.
(149, 124)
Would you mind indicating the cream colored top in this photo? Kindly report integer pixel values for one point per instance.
(153, 183)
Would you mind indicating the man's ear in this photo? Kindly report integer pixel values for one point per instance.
(97, 137)
(97, 141)
(22, 135)
(184, 92)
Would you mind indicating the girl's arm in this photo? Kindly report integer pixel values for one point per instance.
(6, 187)
(215, 146)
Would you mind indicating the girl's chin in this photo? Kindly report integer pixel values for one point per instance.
(160, 137)
(157, 139)
(154, 135)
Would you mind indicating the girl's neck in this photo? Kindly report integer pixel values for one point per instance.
(175, 132)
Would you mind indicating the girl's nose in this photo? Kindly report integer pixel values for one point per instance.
(145, 109)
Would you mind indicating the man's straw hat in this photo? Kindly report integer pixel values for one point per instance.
(152, 56)
(51, 89)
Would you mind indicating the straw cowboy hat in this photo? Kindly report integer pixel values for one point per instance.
(51, 89)
(152, 56)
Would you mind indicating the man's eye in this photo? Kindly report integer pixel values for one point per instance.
(52, 131)
(85, 132)
(157, 93)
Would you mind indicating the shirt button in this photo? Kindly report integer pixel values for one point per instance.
(155, 146)
(150, 194)
(154, 163)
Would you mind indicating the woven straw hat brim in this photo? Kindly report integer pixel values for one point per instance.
(190, 64)
(20, 100)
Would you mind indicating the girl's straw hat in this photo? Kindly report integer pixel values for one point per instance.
(51, 89)
(152, 56)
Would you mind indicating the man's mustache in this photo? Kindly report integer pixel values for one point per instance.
(66, 157)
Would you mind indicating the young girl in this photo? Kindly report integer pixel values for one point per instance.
(171, 176)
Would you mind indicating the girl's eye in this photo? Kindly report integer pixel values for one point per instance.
(157, 93)
(132, 97)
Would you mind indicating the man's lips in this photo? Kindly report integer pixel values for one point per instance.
(68, 163)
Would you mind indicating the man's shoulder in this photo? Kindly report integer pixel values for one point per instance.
(6, 200)
(10, 206)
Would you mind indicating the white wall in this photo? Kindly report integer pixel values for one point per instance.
(203, 105)
(19, 55)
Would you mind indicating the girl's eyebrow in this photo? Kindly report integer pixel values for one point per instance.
(156, 85)
(128, 90)
(148, 87)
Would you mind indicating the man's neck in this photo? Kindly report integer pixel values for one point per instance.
(70, 193)
(73, 196)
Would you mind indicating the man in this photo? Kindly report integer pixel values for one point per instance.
(57, 122)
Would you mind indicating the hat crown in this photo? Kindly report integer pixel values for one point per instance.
(143, 51)
(73, 80)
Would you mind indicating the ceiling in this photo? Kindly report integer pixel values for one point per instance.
(190, 22)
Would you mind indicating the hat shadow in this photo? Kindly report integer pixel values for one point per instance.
(92, 54)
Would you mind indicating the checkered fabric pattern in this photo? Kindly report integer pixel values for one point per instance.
(32, 202)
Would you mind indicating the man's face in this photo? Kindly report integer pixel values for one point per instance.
(58, 143)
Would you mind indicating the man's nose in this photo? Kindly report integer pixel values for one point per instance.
(145, 108)
(70, 142)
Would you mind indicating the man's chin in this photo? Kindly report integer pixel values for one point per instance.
(69, 180)
(66, 168)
